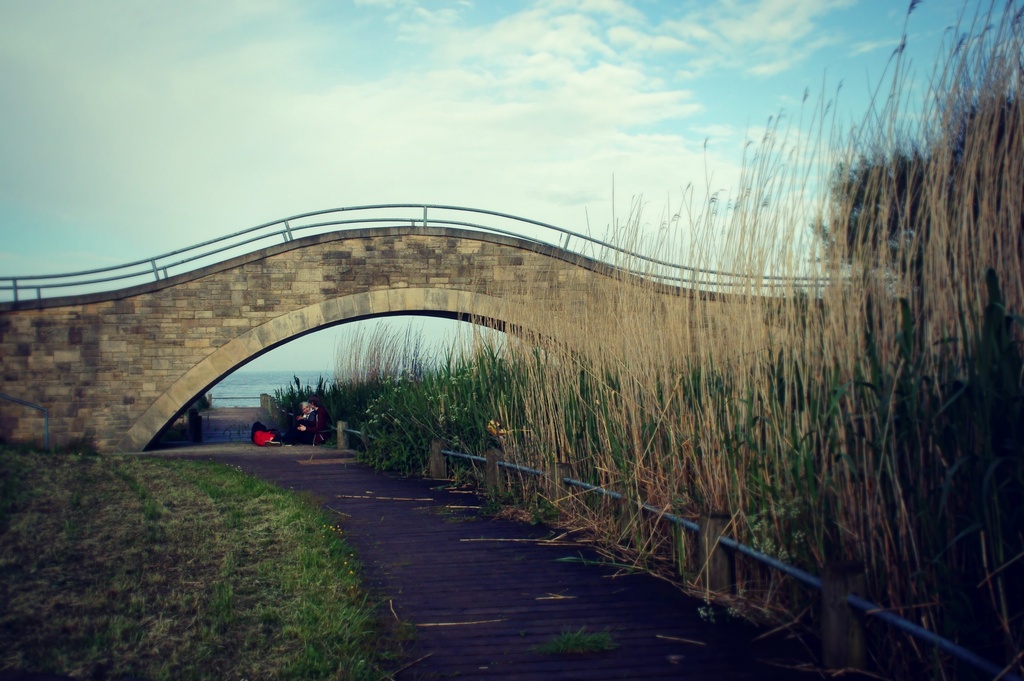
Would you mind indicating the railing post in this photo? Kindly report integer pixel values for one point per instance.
(342, 426)
(14, 287)
(195, 425)
(554, 485)
(424, 216)
(717, 569)
(627, 515)
(842, 628)
(492, 471)
(436, 466)
(679, 554)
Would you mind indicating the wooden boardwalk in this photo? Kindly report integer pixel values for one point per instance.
(478, 595)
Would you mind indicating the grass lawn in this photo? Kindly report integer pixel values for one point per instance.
(114, 566)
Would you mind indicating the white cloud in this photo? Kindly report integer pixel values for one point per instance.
(630, 39)
(575, 37)
(760, 37)
(661, 43)
(614, 10)
(716, 131)
(626, 36)
(873, 45)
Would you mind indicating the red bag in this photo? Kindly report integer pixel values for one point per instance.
(264, 438)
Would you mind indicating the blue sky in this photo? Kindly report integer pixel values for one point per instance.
(129, 129)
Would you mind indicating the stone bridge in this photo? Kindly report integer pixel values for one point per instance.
(119, 367)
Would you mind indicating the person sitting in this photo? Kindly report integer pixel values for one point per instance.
(294, 435)
(319, 421)
(302, 417)
(312, 427)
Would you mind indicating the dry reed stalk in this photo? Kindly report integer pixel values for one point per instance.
(766, 406)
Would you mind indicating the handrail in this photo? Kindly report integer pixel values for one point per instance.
(868, 608)
(162, 266)
(872, 610)
(46, 416)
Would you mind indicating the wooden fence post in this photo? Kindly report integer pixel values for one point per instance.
(680, 551)
(195, 425)
(842, 629)
(717, 567)
(492, 470)
(629, 517)
(554, 487)
(436, 465)
(342, 426)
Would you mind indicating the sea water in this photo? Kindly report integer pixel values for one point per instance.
(243, 388)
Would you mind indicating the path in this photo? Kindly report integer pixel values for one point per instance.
(231, 424)
(480, 594)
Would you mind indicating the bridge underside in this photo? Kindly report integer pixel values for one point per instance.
(478, 308)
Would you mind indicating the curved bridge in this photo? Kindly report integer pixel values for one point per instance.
(119, 367)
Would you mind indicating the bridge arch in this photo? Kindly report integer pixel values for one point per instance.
(467, 305)
(116, 367)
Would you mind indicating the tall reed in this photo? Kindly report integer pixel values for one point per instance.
(876, 416)
(878, 419)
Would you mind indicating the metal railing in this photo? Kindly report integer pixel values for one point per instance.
(46, 416)
(866, 607)
(383, 216)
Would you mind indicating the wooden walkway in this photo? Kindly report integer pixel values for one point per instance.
(478, 595)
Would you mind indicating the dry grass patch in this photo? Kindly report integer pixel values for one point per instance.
(116, 566)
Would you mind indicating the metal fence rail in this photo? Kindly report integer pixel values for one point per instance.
(391, 215)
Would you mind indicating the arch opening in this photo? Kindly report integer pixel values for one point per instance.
(146, 433)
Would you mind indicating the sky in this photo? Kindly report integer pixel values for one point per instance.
(130, 129)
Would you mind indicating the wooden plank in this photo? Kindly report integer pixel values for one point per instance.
(321, 462)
